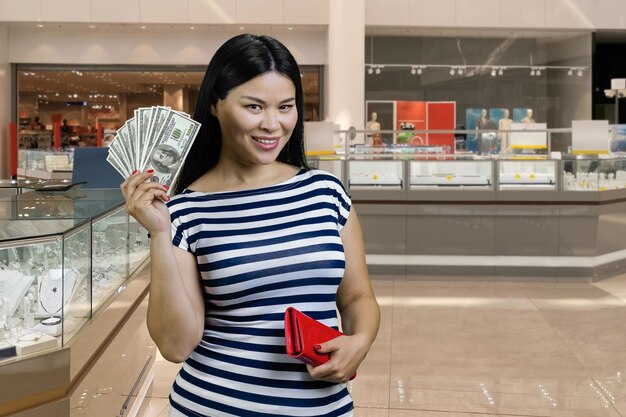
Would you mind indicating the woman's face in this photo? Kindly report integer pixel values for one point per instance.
(257, 119)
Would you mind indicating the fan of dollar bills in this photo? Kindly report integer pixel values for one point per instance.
(156, 138)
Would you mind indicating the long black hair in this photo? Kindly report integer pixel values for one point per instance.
(237, 61)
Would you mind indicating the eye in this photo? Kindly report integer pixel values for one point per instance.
(253, 107)
(286, 107)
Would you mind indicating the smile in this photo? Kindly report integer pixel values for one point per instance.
(266, 140)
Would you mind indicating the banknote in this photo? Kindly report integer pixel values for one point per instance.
(156, 138)
(170, 147)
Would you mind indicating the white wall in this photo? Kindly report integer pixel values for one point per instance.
(5, 100)
(506, 14)
(288, 12)
(153, 46)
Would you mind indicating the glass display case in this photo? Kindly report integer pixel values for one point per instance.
(527, 174)
(57, 267)
(375, 174)
(41, 283)
(594, 174)
(451, 174)
(45, 164)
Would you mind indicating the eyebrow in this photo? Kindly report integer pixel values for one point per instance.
(258, 100)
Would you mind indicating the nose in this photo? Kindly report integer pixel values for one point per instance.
(270, 122)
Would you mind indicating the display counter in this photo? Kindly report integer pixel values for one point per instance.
(441, 216)
(65, 258)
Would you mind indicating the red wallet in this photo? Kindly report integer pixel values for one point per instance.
(302, 333)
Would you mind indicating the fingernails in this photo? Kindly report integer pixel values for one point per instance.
(317, 347)
(167, 187)
(150, 171)
(134, 172)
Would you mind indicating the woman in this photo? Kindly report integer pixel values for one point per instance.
(251, 231)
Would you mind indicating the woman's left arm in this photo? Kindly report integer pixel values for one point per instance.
(360, 314)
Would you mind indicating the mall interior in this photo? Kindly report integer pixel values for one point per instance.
(481, 143)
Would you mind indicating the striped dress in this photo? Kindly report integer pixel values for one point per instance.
(260, 251)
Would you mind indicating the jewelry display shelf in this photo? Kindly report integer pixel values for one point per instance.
(64, 257)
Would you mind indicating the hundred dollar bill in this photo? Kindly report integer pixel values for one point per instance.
(131, 144)
(156, 122)
(121, 148)
(111, 159)
(170, 148)
(116, 148)
(143, 116)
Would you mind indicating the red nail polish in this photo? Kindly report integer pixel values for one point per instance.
(134, 172)
(167, 187)
(317, 347)
(150, 171)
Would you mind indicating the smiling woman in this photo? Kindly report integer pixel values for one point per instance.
(251, 232)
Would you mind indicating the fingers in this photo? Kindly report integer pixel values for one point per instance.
(337, 369)
(136, 178)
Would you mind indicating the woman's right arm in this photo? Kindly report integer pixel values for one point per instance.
(176, 306)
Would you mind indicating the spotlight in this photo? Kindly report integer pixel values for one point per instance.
(538, 73)
(452, 71)
(413, 70)
(377, 70)
(501, 71)
(370, 70)
(532, 72)
(419, 70)
(460, 71)
(570, 72)
(493, 72)
(580, 72)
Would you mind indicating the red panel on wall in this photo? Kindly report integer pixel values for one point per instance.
(441, 116)
(411, 115)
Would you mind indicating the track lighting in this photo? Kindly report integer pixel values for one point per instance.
(501, 71)
(570, 72)
(413, 70)
(493, 72)
(580, 72)
(378, 70)
(452, 71)
(370, 70)
(419, 70)
(532, 72)
(460, 71)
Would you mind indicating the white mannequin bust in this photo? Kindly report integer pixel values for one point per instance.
(529, 117)
(373, 124)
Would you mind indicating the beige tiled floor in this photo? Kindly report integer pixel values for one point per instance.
(473, 349)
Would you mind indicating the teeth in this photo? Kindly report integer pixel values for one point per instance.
(265, 141)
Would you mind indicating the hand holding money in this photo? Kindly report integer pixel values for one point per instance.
(156, 138)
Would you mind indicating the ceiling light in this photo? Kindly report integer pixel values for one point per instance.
(377, 70)
(192, 27)
(460, 71)
(452, 71)
(40, 25)
(143, 27)
(289, 28)
(570, 72)
(92, 27)
(580, 72)
(370, 70)
(538, 73)
(501, 71)
(242, 28)
(419, 70)
(413, 70)
(493, 72)
(532, 72)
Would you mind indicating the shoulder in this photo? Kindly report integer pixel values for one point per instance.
(323, 178)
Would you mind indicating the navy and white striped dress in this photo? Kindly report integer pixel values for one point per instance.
(260, 251)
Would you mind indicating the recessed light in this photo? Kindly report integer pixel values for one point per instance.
(143, 27)
(92, 27)
(289, 28)
(242, 28)
(39, 25)
(192, 27)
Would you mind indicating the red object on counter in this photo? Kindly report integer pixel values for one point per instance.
(56, 135)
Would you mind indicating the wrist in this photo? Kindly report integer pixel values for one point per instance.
(159, 235)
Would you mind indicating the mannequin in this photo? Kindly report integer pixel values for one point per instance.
(483, 139)
(374, 125)
(529, 117)
(505, 124)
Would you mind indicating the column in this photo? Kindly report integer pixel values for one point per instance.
(5, 100)
(345, 75)
(176, 97)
